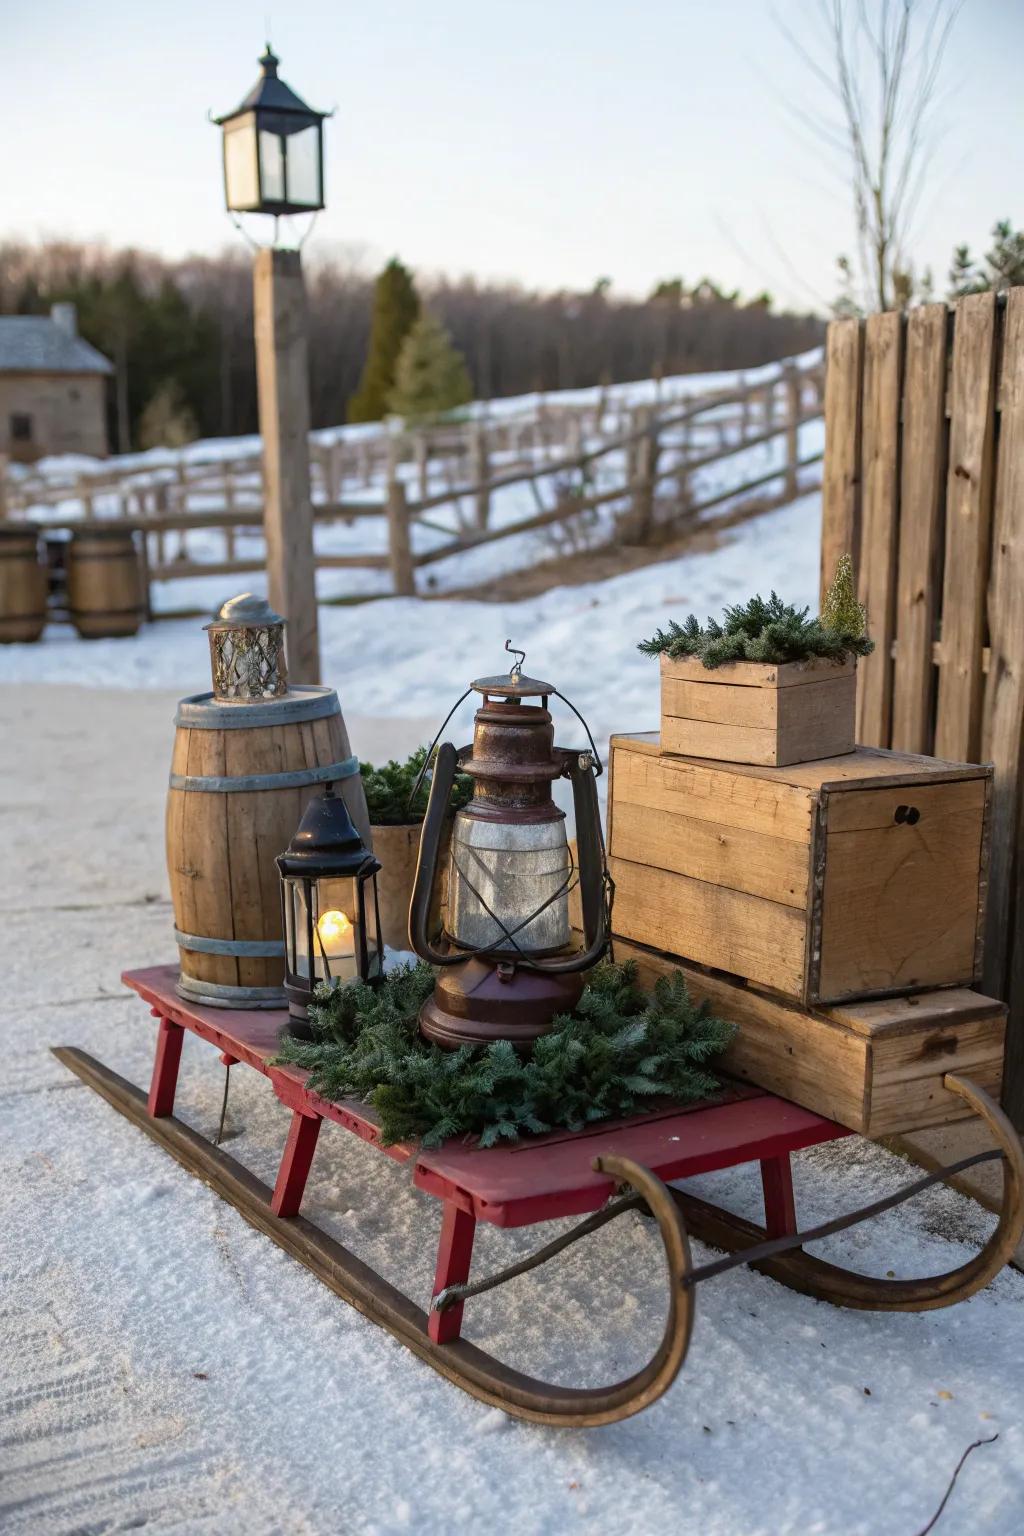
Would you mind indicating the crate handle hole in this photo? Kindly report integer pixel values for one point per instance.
(908, 814)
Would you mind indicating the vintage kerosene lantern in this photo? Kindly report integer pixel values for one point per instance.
(508, 964)
(329, 907)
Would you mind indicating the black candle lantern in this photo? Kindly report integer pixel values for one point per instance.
(273, 149)
(329, 906)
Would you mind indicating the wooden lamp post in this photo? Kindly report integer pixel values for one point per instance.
(274, 164)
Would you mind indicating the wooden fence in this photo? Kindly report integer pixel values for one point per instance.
(640, 461)
(924, 485)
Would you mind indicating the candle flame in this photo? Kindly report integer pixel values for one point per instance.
(333, 926)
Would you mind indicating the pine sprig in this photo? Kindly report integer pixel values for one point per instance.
(388, 790)
(619, 1050)
(772, 631)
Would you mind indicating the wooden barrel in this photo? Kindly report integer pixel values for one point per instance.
(104, 583)
(241, 776)
(23, 584)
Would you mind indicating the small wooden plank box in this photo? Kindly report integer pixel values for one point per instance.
(876, 1067)
(860, 876)
(750, 712)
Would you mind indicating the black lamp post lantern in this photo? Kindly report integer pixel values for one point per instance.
(273, 149)
(329, 907)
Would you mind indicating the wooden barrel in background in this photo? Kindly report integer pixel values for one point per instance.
(241, 776)
(104, 583)
(23, 584)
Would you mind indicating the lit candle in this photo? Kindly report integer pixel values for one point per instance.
(336, 943)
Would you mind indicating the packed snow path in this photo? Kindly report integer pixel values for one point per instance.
(168, 1368)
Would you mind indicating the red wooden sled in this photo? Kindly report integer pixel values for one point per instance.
(559, 1175)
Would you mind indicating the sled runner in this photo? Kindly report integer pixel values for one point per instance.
(598, 1174)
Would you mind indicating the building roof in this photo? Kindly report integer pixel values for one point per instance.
(37, 344)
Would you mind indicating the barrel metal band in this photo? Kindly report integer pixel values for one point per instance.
(246, 949)
(297, 778)
(215, 995)
(204, 712)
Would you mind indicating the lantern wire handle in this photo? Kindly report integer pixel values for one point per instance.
(430, 751)
(598, 765)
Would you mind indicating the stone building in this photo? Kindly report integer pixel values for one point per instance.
(52, 387)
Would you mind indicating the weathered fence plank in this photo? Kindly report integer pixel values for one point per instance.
(922, 500)
(880, 462)
(840, 531)
(1003, 716)
(968, 530)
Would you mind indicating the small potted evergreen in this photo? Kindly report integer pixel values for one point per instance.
(767, 685)
(396, 815)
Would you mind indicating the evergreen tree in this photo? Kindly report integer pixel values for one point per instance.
(1002, 268)
(430, 376)
(395, 308)
(167, 421)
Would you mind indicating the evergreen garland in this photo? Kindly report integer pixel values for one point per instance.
(618, 1052)
(772, 631)
(388, 791)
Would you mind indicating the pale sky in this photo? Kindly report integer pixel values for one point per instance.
(550, 141)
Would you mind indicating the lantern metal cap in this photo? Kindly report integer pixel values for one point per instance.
(326, 841)
(271, 94)
(246, 611)
(512, 685)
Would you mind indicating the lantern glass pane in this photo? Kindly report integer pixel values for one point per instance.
(514, 870)
(241, 181)
(304, 167)
(272, 167)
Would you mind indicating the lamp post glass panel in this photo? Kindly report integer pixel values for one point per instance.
(329, 906)
(273, 149)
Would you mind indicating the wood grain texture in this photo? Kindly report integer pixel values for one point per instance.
(23, 585)
(900, 900)
(282, 372)
(1003, 715)
(922, 505)
(104, 584)
(704, 791)
(873, 1079)
(222, 847)
(755, 674)
(968, 528)
(880, 451)
(755, 862)
(769, 723)
(841, 480)
(763, 940)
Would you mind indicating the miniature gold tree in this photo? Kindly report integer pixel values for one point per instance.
(840, 611)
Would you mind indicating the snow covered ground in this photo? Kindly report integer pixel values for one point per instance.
(166, 1367)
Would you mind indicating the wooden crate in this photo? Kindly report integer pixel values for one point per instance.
(860, 876)
(876, 1067)
(750, 712)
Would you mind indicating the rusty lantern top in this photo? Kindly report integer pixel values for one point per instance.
(247, 650)
(514, 759)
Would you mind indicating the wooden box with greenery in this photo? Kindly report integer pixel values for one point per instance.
(396, 816)
(767, 685)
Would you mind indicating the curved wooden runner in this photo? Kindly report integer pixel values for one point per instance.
(525, 1397)
(845, 1287)
(470, 1368)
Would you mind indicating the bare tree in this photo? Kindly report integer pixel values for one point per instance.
(880, 61)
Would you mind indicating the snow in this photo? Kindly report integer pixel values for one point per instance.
(168, 1367)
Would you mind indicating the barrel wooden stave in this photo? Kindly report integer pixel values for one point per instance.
(104, 584)
(23, 586)
(222, 846)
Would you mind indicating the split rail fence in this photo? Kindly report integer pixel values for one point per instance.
(924, 486)
(573, 458)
